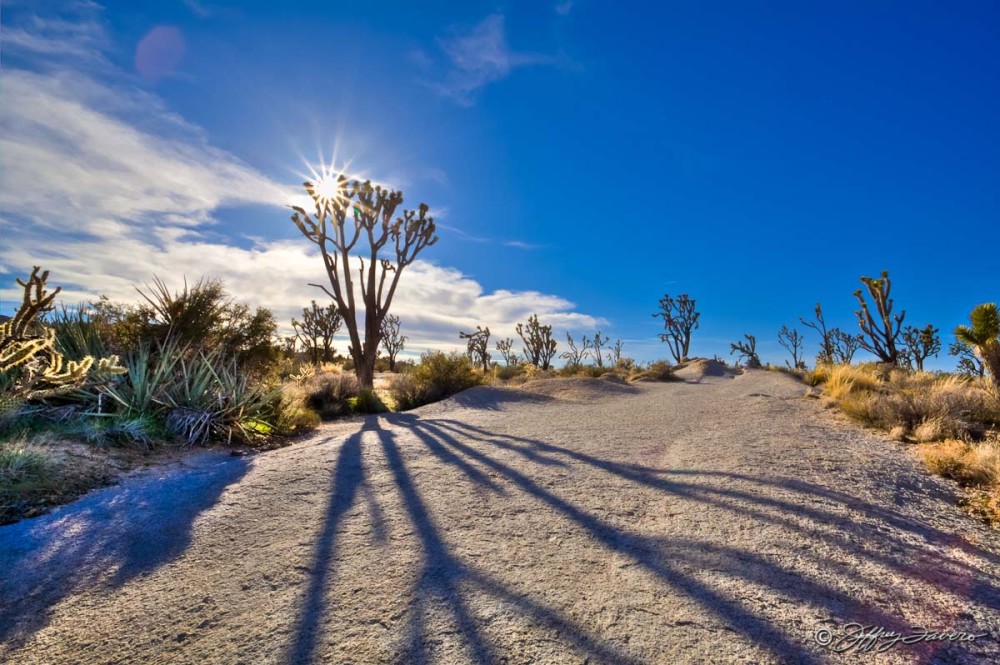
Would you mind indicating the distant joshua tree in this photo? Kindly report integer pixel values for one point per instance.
(539, 347)
(969, 364)
(594, 346)
(748, 351)
(392, 341)
(679, 320)
(845, 346)
(919, 344)
(616, 353)
(316, 330)
(479, 346)
(574, 357)
(506, 349)
(879, 332)
(344, 213)
(792, 341)
(827, 336)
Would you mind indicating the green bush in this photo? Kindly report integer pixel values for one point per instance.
(659, 370)
(367, 402)
(444, 374)
(329, 393)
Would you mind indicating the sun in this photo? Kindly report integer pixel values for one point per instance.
(329, 189)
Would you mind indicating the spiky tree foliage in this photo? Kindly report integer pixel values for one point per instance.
(392, 341)
(594, 346)
(969, 364)
(983, 336)
(574, 357)
(317, 329)
(879, 331)
(827, 337)
(919, 344)
(346, 213)
(747, 351)
(539, 347)
(616, 353)
(478, 346)
(845, 346)
(506, 349)
(679, 320)
(792, 341)
(289, 345)
(32, 366)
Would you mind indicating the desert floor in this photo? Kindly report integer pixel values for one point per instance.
(716, 520)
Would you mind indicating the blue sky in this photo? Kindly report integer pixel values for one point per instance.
(582, 157)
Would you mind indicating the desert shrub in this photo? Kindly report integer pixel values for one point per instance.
(659, 370)
(329, 393)
(975, 465)
(444, 374)
(367, 401)
(507, 372)
(406, 392)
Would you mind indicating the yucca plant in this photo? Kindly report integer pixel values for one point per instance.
(983, 335)
(147, 375)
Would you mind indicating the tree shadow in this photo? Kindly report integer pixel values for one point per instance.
(131, 529)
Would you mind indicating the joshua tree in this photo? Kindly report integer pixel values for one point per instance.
(316, 330)
(289, 344)
(574, 357)
(878, 334)
(969, 364)
(392, 341)
(506, 349)
(679, 319)
(747, 350)
(845, 346)
(792, 341)
(539, 347)
(983, 336)
(479, 346)
(827, 337)
(594, 346)
(347, 212)
(616, 353)
(28, 354)
(919, 345)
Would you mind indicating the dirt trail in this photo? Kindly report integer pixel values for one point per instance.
(723, 520)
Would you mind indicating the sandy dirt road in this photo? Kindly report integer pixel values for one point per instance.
(718, 521)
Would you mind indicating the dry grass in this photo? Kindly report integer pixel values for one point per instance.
(948, 415)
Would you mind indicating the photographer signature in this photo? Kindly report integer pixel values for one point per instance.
(877, 639)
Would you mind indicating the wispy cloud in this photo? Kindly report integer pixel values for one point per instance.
(105, 186)
(517, 244)
(480, 57)
(564, 8)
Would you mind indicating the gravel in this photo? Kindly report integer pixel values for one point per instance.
(717, 520)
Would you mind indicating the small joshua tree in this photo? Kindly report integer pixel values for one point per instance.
(748, 351)
(969, 364)
(679, 320)
(919, 344)
(792, 341)
(880, 331)
(506, 349)
(392, 341)
(34, 368)
(594, 346)
(616, 353)
(574, 357)
(539, 347)
(344, 213)
(827, 337)
(845, 346)
(983, 336)
(316, 330)
(479, 346)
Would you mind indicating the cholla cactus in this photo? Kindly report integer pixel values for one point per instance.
(29, 348)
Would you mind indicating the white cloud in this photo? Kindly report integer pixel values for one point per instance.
(105, 187)
(480, 57)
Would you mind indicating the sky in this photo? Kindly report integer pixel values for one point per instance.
(582, 158)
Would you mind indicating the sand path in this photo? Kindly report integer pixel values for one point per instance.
(721, 520)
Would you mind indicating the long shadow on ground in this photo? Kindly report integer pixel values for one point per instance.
(108, 537)
(444, 576)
